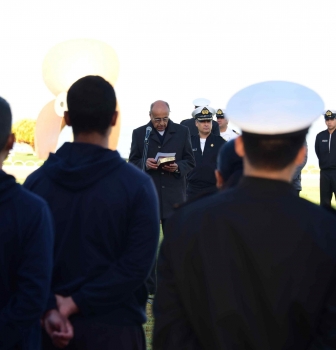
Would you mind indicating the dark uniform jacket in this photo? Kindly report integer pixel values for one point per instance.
(190, 123)
(107, 229)
(253, 267)
(26, 252)
(327, 159)
(171, 187)
(202, 177)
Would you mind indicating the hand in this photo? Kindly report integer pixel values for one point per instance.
(58, 328)
(171, 167)
(151, 163)
(66, 306)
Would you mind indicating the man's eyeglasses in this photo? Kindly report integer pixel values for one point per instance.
(159, 120)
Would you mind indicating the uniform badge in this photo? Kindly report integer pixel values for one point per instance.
(194, 149)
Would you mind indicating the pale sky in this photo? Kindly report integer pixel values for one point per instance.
(173, 50)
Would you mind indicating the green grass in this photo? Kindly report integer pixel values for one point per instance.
(19, 158)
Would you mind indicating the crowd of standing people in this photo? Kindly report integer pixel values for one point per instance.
(245, 263)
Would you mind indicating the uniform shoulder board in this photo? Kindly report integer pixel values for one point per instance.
(235, 132)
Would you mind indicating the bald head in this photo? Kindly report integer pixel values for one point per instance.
(159, 115)
(159, 105)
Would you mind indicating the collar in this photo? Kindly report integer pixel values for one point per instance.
(264, 186)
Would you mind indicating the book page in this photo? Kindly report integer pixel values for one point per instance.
(164, 155)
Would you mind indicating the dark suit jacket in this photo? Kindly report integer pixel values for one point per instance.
(253, 267)
(171, 187)
(202, 177)
(190, 123)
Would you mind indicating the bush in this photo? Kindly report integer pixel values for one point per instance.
(24, 131)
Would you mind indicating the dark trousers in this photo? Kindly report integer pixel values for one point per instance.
(91, 334)
(327, 187)
(151, 282)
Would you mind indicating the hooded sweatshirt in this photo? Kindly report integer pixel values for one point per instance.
(26, 245)
(107, 230)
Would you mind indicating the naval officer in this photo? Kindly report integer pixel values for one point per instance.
(190, 123)
(325, 148)
(224, 130)
(253, 267)
(205, 147)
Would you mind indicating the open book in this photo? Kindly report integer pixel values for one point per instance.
(165, 158)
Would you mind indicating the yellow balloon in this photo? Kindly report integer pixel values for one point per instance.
(71, 60)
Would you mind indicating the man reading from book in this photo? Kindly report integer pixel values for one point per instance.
(170, 140)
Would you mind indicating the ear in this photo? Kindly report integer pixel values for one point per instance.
(66, 118)
(196, 122)
(10, 142)
(300, 157)
(219, 179)
(239, 146)
(114, 118)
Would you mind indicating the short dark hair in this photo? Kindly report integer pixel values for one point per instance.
(5, 122)
(273, 152)
(91, 104)
(151, 106)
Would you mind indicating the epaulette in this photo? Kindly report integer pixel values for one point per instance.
(194, 199)
(235, 132)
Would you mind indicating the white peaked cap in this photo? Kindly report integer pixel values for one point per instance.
(333, 111)
(274, 107)
(199, 110)
(201, 102)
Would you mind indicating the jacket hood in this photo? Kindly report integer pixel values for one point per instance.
(79, 165)
(8, 186)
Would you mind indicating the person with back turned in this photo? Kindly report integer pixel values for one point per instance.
(325, 149)
(107, 229)
(254, 266)
(205, 146)
(26, 251)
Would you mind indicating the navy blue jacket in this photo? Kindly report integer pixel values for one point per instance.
(252, 267)
(325, 154)
(26, 245)
(202, 177)
(107, 230)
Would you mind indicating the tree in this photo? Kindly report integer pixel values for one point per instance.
(24, 131)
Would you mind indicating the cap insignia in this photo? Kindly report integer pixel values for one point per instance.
(328, 113)
(219, 111)
(205, 111)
